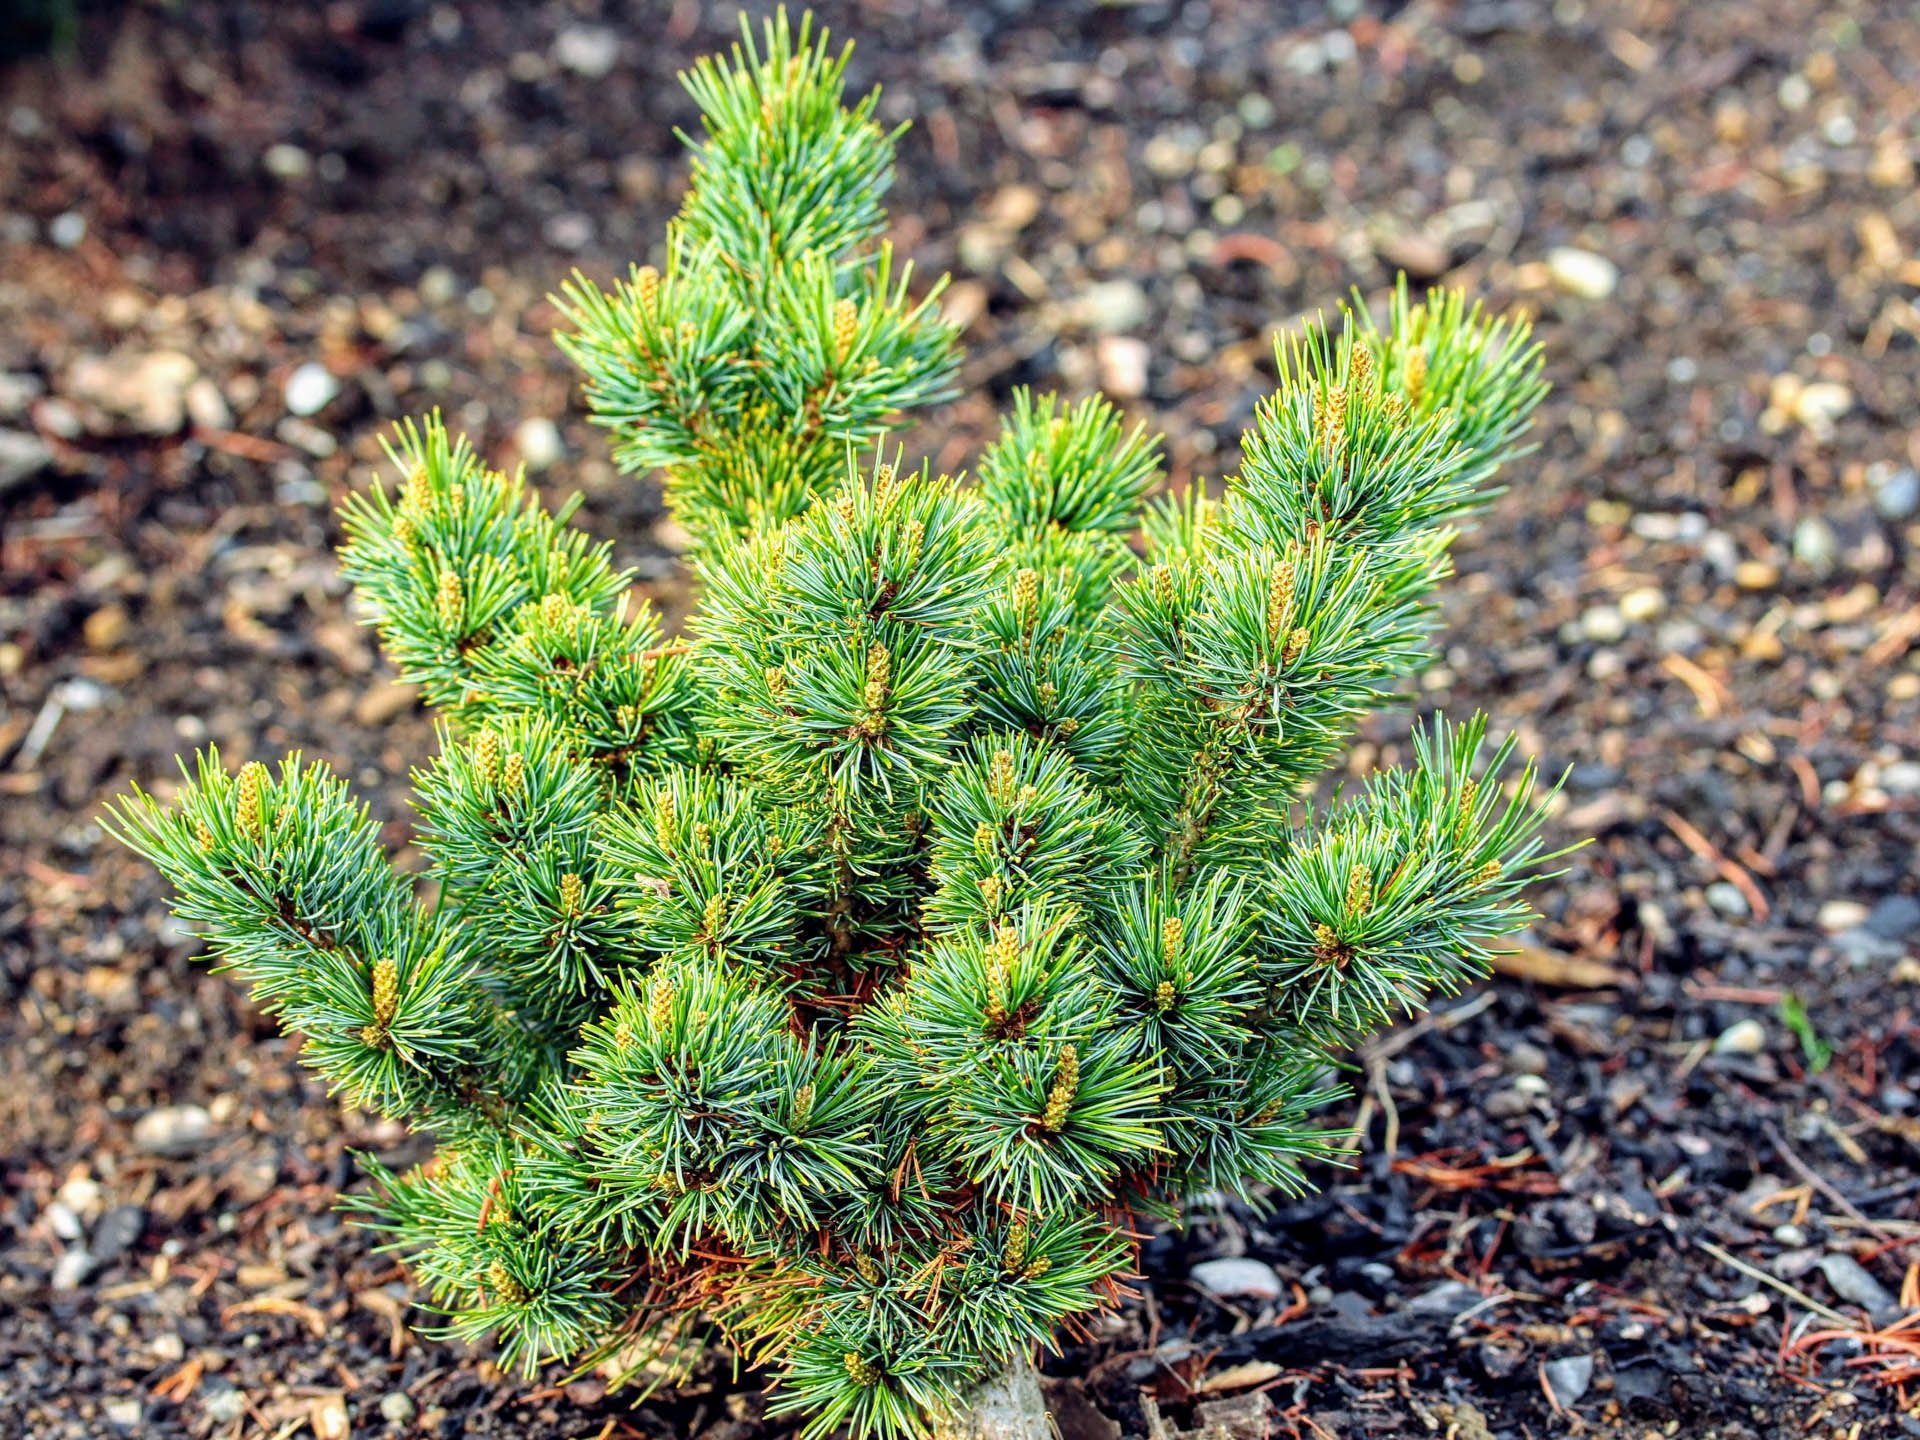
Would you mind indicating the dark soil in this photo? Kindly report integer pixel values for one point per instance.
(1614, 1190)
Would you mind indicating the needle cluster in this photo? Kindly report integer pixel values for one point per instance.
(855, 971)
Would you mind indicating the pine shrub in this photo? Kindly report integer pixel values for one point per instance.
(855, 974)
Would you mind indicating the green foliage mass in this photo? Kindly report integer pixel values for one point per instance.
(853, 972)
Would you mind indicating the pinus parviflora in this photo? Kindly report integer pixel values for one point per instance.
(855, 974)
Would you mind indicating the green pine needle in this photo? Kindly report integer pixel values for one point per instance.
(856, 969)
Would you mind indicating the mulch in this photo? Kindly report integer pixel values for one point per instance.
(1657, 1177)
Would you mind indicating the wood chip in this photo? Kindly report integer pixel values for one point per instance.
(1550, 967)
(1239, 1377)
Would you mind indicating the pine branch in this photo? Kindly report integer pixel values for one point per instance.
(852, 973)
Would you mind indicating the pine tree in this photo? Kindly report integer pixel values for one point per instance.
(854, 973)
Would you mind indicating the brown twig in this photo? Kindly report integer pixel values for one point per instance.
(1730, 871)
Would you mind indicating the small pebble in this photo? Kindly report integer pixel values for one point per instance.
(23, 455)
(309, 389)
(82, 1195)
(207, 407)
(1721, 553)
(438, 286)
(1838, 915)
(396, 1408)
(68, 230)
(1526, 1058)
(287, 162)
(589, 51)
(18, 391)
(1743, 1037)
(1568, 1377)
(224, 1403)
(1791, 1236)
(1895, 918)
(1851, 1282)
(1508, 1104)
(1815, 546)
(71, 1270)
(305, 435)
(65, 1223)
(1112, 306)
(1756, 575)
(538, 440)
(145, 391)
(1123, 366)
(1167, 156)
(1681, 637)
(1237, 1278)
(124, 1413)
(569, 230)
(1603, 623)
(105, 628)
(1669, 525)
(1901, 778)
(1582, 273)
(1818, 405)
(1727, 899)
(118, 1232)
(1896, 493)
(1643, 604)
(173, 1130)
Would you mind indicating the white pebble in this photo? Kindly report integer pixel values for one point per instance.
(125, 1413)
(396, 1408)
(1230, 1278)
(1838, 916)
(1582, 273)
(1643, 604)
(287, 162)
(1112, 306)
(1728, 900)
(1603, 623)
(538, 440)
(71, 1270)
(173, 1130)
(67, 230)
(1743, 1037)
(590, 51)
(1818, 405)
(207, 407)
(1123, 366)
(65, 1223)
(309, 388)
(1901, 778)
(82, 1195)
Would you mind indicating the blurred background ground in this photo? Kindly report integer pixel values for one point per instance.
(1657, 1180)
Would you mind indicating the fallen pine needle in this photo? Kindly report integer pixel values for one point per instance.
(1731, 871)
(1754, 1272)
(1820, 1182)
(1708, 693)
(279, 1305)
(182, 1382)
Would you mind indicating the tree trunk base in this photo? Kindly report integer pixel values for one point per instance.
(1007, 1407)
